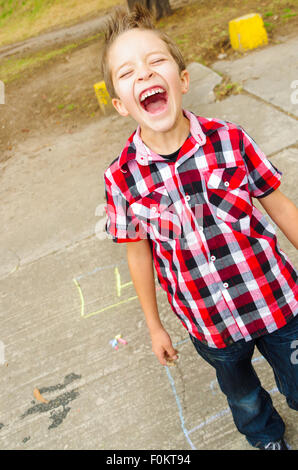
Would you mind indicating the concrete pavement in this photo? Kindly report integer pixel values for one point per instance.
(64, 294)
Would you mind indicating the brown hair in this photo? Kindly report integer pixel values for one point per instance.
(122, 20)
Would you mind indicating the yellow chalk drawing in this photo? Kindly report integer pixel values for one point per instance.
(119, 287)
(81, 297)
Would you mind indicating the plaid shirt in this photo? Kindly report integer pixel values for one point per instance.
(215, 254)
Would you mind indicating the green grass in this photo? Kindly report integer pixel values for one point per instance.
(269, 26)
(289, 15)
(226, 88)
(17, 8)
(21, 19)
(11, 69)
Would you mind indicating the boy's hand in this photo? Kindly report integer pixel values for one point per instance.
(162, 347)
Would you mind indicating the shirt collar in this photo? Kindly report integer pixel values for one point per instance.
(144, 155)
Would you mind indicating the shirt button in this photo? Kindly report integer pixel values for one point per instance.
(226, 183)
(213, 258)
(226, 285)
(187, 197)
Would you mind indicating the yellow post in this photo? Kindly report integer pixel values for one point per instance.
(247, 32)
(103, 96)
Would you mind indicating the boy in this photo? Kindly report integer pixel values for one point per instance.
(180, 194)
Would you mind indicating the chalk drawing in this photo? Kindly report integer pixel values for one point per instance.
(119, 288)
(209, 419)
(99, 268)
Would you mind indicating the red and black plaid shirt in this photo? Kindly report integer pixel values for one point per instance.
(215, 254)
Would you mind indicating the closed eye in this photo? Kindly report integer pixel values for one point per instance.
(125, 74)
(157, 61)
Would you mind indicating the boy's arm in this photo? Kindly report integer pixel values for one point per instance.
(284, 213)
(140, 264)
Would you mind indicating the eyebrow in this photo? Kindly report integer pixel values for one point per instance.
(121, 66)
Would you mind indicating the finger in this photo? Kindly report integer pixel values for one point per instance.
(172, 354)
(161, 356)
(162, 359)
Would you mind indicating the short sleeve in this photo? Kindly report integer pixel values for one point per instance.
(121, 223)
(263, 176)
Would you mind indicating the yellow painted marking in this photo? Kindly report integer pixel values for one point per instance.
(102, 95)
(247, 32)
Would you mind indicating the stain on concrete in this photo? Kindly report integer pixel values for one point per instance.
(57, 407)
(1, 426)
(58, 417)
(67, 380)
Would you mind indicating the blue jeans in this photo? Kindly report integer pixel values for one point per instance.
(251, 405)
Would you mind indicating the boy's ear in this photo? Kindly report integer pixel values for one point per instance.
(184, 81)
(119, 106)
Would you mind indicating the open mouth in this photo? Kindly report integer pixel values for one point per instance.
(154, 100)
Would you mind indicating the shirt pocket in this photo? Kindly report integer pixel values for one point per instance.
(228, 195)
(157, 214)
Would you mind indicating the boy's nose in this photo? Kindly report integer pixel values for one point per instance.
(144, 74)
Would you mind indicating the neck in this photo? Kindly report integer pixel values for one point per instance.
(167, 142)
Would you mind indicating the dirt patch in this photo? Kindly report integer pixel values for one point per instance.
(59, 96)
(201, 27)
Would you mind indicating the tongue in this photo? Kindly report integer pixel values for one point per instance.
(155, 103)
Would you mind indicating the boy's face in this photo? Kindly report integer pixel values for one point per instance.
(147, 80)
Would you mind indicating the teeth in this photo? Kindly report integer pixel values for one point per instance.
(150, 93)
